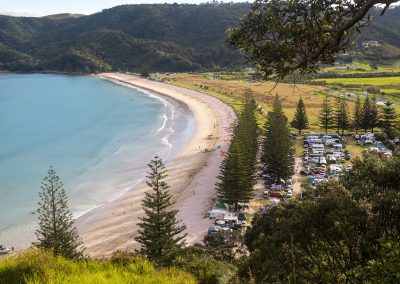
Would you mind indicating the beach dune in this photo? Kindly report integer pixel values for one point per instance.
(192, 175)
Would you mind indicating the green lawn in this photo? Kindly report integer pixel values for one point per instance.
(375, 81)
(361, 68)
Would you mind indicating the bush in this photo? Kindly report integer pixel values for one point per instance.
(380, 136)
(207, 270)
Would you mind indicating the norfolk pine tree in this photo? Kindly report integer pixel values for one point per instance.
(388, 120)
(278, 147)
(341, 115)
(326, 118)
(300, 120)
(56, 225)
(229, 187)
(366, 114)
(236, 178)
(160, 234)
(374, 114)
(357, 115)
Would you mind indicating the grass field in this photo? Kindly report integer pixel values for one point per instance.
(232, 87)
(231, 90)
(387, 82)
(389, 87)
(361, 68)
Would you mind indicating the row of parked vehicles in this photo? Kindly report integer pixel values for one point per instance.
(281, 190)
(225, 220)
(324, 156)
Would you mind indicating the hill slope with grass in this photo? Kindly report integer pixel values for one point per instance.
(42, 267)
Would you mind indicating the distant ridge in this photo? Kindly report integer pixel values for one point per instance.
(161, 37)
(63, 16)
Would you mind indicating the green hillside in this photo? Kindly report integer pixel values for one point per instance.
(164, 37)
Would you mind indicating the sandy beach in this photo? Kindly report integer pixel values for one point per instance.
(192, 175)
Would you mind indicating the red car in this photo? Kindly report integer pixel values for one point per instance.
(275, 194)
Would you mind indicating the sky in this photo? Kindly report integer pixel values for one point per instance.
(49, 7)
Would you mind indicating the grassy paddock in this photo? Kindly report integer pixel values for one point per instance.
(232, 91)
(387, 82)
(361, 68)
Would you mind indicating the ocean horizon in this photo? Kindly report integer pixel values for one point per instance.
(98, 135)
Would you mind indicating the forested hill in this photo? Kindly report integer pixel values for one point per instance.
(163, 37)
(384, 29)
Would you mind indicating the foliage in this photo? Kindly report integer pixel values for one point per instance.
(388, 120)
(342, 120)
(326, 115)
(39, 266)
(384, 269)
(366, 114)
(357, 115)
(278, 147)
(224, 245)
(300, 119)
(160, 234)
(236, 177)
(374, 114)
(56, 230)
(197, 261)
(145, 71)
(283, 37)
(376, 180)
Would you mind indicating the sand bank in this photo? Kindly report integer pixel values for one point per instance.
(192, 175)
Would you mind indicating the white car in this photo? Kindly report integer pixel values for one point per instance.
(4, 250)
(349, 168)
(289, 193)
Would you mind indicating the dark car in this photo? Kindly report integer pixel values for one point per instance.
(242, 217)
(305, 173)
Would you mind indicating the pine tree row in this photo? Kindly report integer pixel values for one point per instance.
(366, 116)
(236, 178)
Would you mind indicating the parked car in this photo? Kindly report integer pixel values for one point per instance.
(275, 194)
(242, 217)
(217, 212)
(349, 167)
(289, 193)
(266, 194)
(4, 250)
(305, 173)
(213, 230)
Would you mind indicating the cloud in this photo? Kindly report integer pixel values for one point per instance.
(22, 13)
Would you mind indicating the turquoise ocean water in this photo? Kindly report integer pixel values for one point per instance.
(98, 135)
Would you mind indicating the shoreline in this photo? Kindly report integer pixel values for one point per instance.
(192, 174)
